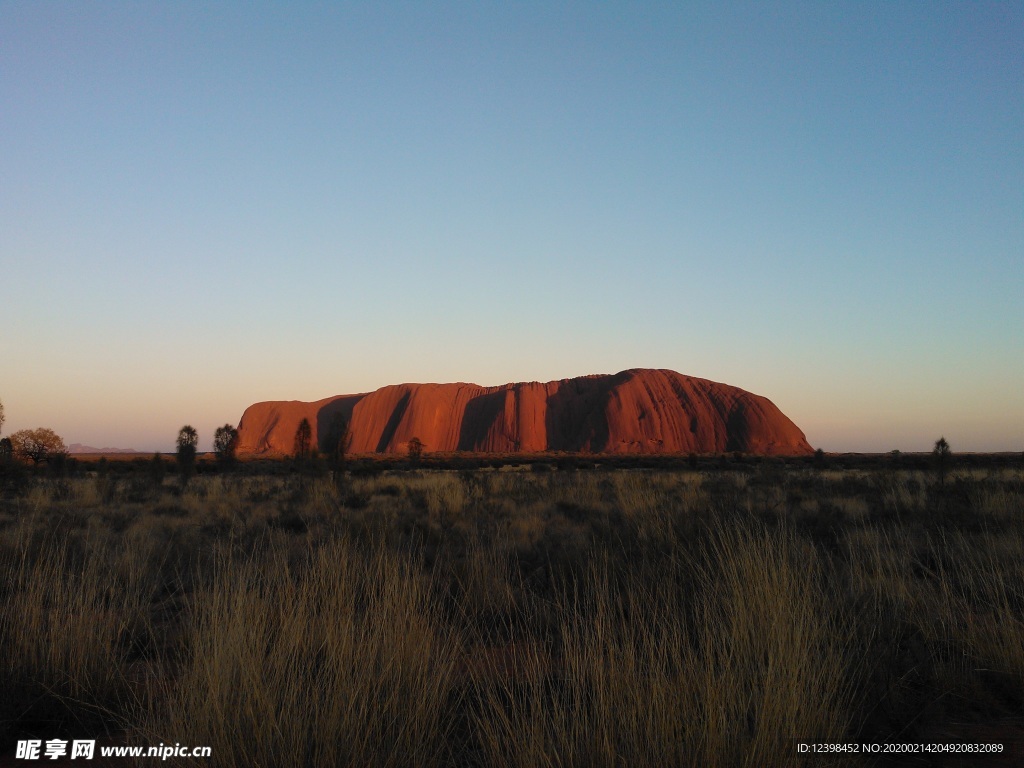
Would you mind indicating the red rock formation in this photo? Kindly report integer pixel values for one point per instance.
(636, 411)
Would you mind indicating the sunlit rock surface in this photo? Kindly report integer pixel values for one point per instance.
(635, 411)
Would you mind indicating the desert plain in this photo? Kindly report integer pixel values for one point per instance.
(517, 609)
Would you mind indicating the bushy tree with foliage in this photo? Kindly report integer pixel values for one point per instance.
(819, 458)
(415, 451)
(303, 439)
(225, 443)
(1, 415)
(38, 445)
(188, 441)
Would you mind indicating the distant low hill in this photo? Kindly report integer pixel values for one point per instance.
(79, 448)
(639, 411)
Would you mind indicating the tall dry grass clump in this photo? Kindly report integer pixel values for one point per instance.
(950, 608)
(341, 661)
(74, 619)
(774, 660)
(724, 660)
(984, 602)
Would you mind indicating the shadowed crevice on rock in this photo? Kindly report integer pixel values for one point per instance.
(479, 418)
(576, 418)
(340, 407)
(393, 422)
(737, 429)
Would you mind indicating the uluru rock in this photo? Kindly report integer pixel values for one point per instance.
(635, 411)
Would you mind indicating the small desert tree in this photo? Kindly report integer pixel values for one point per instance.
(337, 444)
(157, 469)
(942, 455)
(38, 445)
(1, 415)
(415, 451)
(225, 442)
(303, 438)
(188, 440)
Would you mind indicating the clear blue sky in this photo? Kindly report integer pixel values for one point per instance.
(207, 205)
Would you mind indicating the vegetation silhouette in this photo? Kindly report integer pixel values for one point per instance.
(942, 455)
(188, 440)
(336, 443)
(225, 443)
(303, 439)
(157, 470)
(415, 451)
(38, 445)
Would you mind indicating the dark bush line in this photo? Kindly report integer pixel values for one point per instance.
(365, 466)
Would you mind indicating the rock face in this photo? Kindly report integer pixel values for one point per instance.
(636, 411)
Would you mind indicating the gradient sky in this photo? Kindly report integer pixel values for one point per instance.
(207, 205)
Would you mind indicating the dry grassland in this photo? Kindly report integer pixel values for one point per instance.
(516, 618)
